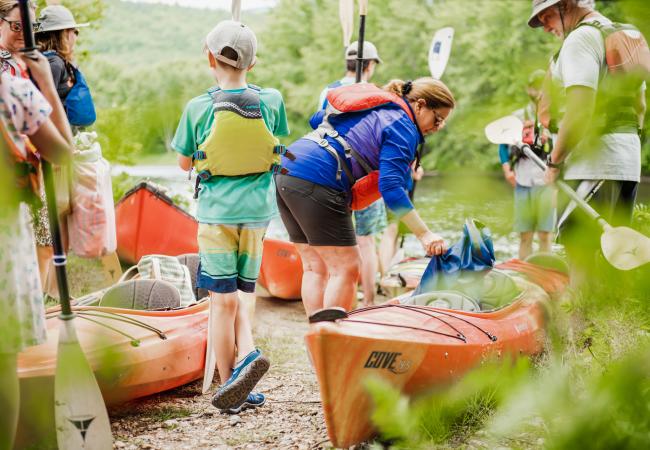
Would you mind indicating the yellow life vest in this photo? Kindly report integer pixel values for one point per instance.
(240, 142)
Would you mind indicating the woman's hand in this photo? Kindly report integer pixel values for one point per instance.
(39, 69)
(433, 244)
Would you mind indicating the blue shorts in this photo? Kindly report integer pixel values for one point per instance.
(534, 209)
(371, 220)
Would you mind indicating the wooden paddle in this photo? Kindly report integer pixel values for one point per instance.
(80, 413)
(623, 247)
(346, 17)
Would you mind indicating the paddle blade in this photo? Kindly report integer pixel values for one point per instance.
(210, 357)
(235, 8)
(439, 51)
(346, 16)
(507, 130)
(625, 248)
(80, 413)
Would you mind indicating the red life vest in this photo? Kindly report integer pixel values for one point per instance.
(355, 98)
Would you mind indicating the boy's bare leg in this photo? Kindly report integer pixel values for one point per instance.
(243, 331)
(314, 278)
(387, 247)
(525, 244)
(247, 302)
(223, 332)
(9, 399)
(369, 265)
(343, 268)
(545, 241)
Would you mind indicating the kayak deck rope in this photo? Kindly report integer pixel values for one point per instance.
(134, 342)
(84, 313)
(428, 312)
(459, 337)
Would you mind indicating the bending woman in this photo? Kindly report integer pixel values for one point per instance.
(315, 203)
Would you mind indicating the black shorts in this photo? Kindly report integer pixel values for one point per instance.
(314, 214)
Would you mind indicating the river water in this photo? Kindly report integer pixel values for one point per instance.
(444, 202)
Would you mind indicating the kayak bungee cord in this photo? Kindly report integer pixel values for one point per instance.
(492, 337)
(134, 342)
(120, 318)
(417, 308)
(460, 333)
(459, 337)
(123, 319)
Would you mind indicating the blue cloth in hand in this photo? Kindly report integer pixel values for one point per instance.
(473, 252)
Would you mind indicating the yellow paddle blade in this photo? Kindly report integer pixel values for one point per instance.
(625, 248)
(81, 417)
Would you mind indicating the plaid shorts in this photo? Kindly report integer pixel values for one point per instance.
(231, 256)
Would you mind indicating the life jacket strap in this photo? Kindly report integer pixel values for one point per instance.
(341, 165)
(200, 155)
(203, 175)
(281, 149)
(277, 168)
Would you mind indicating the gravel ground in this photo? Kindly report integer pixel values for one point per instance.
(185, 419)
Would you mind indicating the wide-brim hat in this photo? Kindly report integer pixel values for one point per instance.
(538, 7)
(57, 17)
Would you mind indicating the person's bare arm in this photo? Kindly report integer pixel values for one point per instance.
(50, 143)
(580, 104)
(185, 162)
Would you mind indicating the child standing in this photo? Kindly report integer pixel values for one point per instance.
(228, 135)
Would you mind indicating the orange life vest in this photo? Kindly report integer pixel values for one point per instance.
(347, 99)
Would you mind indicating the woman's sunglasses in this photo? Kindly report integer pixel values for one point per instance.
(17, 26)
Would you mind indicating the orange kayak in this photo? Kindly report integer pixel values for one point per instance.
(149, 223)
(281, 271)
(415, 348)
(133, 353)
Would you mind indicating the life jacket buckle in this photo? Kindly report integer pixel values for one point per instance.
(204, 175)
(277, 168)
(323, 143)
(332, 133)
(200, 155)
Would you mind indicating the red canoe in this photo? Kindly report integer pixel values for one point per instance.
(149, 223)
(416, 348)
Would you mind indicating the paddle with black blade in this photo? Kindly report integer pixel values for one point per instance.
(80, 413)
(363, 12)
(623, 247)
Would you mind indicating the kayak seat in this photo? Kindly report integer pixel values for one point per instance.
(142, 295)
(445, 299)
(192, 260)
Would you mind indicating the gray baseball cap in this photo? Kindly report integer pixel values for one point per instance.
(238, 37)
(369, 51)
(57, 17)
(538, 7)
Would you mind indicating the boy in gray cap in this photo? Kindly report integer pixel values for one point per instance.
(228, 135)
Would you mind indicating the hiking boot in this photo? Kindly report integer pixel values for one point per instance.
(244, 377)
(254, 400)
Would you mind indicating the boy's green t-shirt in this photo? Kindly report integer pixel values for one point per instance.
(241, 199)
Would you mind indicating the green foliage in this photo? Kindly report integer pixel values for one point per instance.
(146, 62)
(455, 413)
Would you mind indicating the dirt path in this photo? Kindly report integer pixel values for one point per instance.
(185, 419)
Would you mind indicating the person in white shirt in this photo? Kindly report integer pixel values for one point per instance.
(598, 149)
